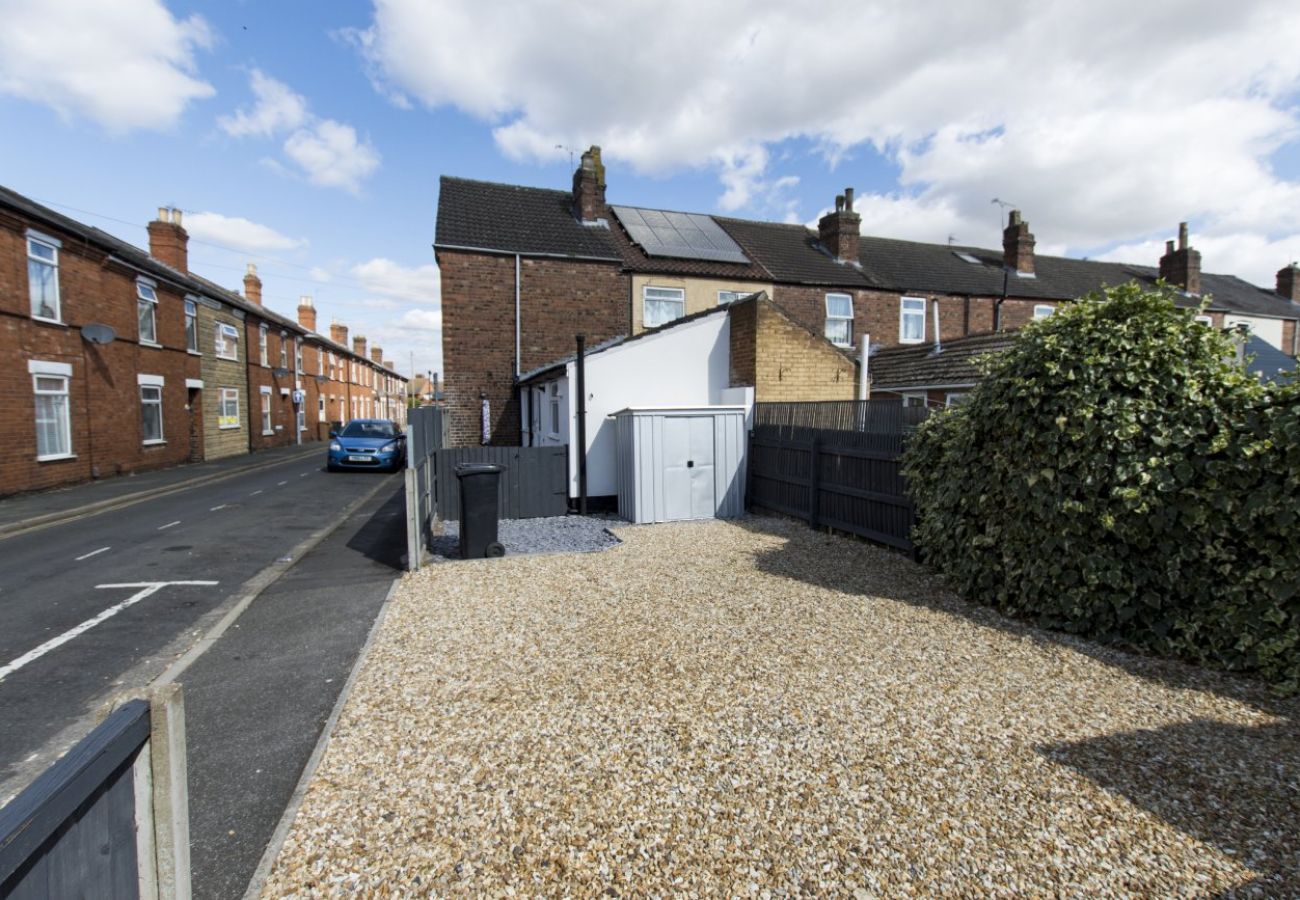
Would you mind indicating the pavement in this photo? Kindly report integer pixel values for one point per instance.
(257, 700)
(23, 512)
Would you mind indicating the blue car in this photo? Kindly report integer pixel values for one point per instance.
(368, 444)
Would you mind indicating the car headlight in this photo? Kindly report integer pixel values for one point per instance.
(390, 447)
(335, 445)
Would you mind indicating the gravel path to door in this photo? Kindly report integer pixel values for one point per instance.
(755, 708)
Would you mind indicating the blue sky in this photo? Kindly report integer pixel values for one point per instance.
(309, 137)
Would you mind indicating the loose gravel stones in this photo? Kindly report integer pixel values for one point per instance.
(555, 534)
(757, 709)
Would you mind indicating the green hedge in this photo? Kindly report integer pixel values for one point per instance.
(1116, 474)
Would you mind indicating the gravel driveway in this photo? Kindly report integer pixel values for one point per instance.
(752, 708)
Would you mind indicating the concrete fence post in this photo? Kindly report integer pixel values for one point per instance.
(171, 803)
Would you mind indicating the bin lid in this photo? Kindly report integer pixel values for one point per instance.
(466, 469)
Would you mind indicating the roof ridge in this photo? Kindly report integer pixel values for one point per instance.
(502, 184)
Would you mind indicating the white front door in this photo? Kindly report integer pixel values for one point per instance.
(688, 468)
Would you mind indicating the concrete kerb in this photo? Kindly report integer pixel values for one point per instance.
(281, 832)
(92, 509)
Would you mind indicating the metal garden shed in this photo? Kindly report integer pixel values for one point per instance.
(677, 463)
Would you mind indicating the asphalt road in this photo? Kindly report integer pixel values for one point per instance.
(99, 607)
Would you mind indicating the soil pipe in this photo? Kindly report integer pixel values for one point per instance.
(582, 424)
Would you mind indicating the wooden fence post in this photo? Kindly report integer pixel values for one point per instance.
(814, 481)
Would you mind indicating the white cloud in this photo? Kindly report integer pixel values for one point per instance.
(330, 155)
(327, 152)
(320, 274)
(422, 284)
(238, 233)
(126, 65)
(278, 109)
(421, 320)
(1105, 121)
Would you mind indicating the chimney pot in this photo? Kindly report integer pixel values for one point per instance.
(839, 231)
(176, 217)
(1182, 266)
(1018, 244)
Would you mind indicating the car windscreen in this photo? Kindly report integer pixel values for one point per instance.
(370, 430)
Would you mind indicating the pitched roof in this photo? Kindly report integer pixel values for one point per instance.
(635, 258)
(508, 218)
(1266, 361)
(791, 253)
(918, 366)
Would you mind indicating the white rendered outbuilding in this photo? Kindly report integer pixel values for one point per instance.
(677, 463)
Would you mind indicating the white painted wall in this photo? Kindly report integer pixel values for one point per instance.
(687, 365)
(1267, 330)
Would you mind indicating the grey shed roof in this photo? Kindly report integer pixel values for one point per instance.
(511, 219)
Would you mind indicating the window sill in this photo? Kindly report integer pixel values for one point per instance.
(158, 443)
(193, 352)
(228, 427)
(50, 322)
(228, 358)
(154, 344)
(56, 457)
(911, 341)
(270, 433)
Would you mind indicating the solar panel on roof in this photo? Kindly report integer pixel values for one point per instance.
(679, 235)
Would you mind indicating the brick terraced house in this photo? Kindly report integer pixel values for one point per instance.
(124, 360)
(524, 269)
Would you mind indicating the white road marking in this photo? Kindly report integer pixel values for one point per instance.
(282, 484)
(147, 589)
(255, 493)
(168, 525)
(304, 474)
(219, 506)
(92, 553)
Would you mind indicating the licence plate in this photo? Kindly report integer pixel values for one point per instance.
(358, 459)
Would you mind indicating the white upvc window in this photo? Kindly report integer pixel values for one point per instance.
(151, 411)
(261, 345)
(53, 417)
(1043, 310)
(146, 307)
(725, 297)
(1205, 320)
(227, 341)
(661, 305)
(297, 355)
(43, 276)
(284, 350)
(267, 427)
(914, 398)
(839, 319)
(191, 326)
(911, 320)
(228, 408)
(955, 398)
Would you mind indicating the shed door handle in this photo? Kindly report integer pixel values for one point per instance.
(690, 464)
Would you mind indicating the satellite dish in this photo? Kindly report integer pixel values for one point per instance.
(321, 379)
(97, 333)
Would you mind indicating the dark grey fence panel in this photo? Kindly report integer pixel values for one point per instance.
(72, 832)
(534, 483)
(835, 464)
(425, 436)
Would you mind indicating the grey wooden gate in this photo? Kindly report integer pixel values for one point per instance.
(535, 482)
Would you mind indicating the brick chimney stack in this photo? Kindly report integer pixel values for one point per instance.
(359, 345)
(306, 312)
(589, 187)
(1018, 245)
(1288, 282)
(168, 242)
(1183, 265)
(839, 230)
(377, 356)
(339, 333)
(253, 285)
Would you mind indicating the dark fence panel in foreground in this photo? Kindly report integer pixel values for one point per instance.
(835, 464)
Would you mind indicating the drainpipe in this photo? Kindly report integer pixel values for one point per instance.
(864, 380)
(997, 304)
(934, 307)
(582, 424)
(517, 331)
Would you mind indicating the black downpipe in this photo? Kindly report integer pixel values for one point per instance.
(582, 424)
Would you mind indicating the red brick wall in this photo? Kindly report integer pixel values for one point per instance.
(558, 299)
(104, 393)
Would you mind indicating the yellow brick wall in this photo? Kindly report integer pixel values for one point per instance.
(218, 374)
(700, 293)
(793, 364)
